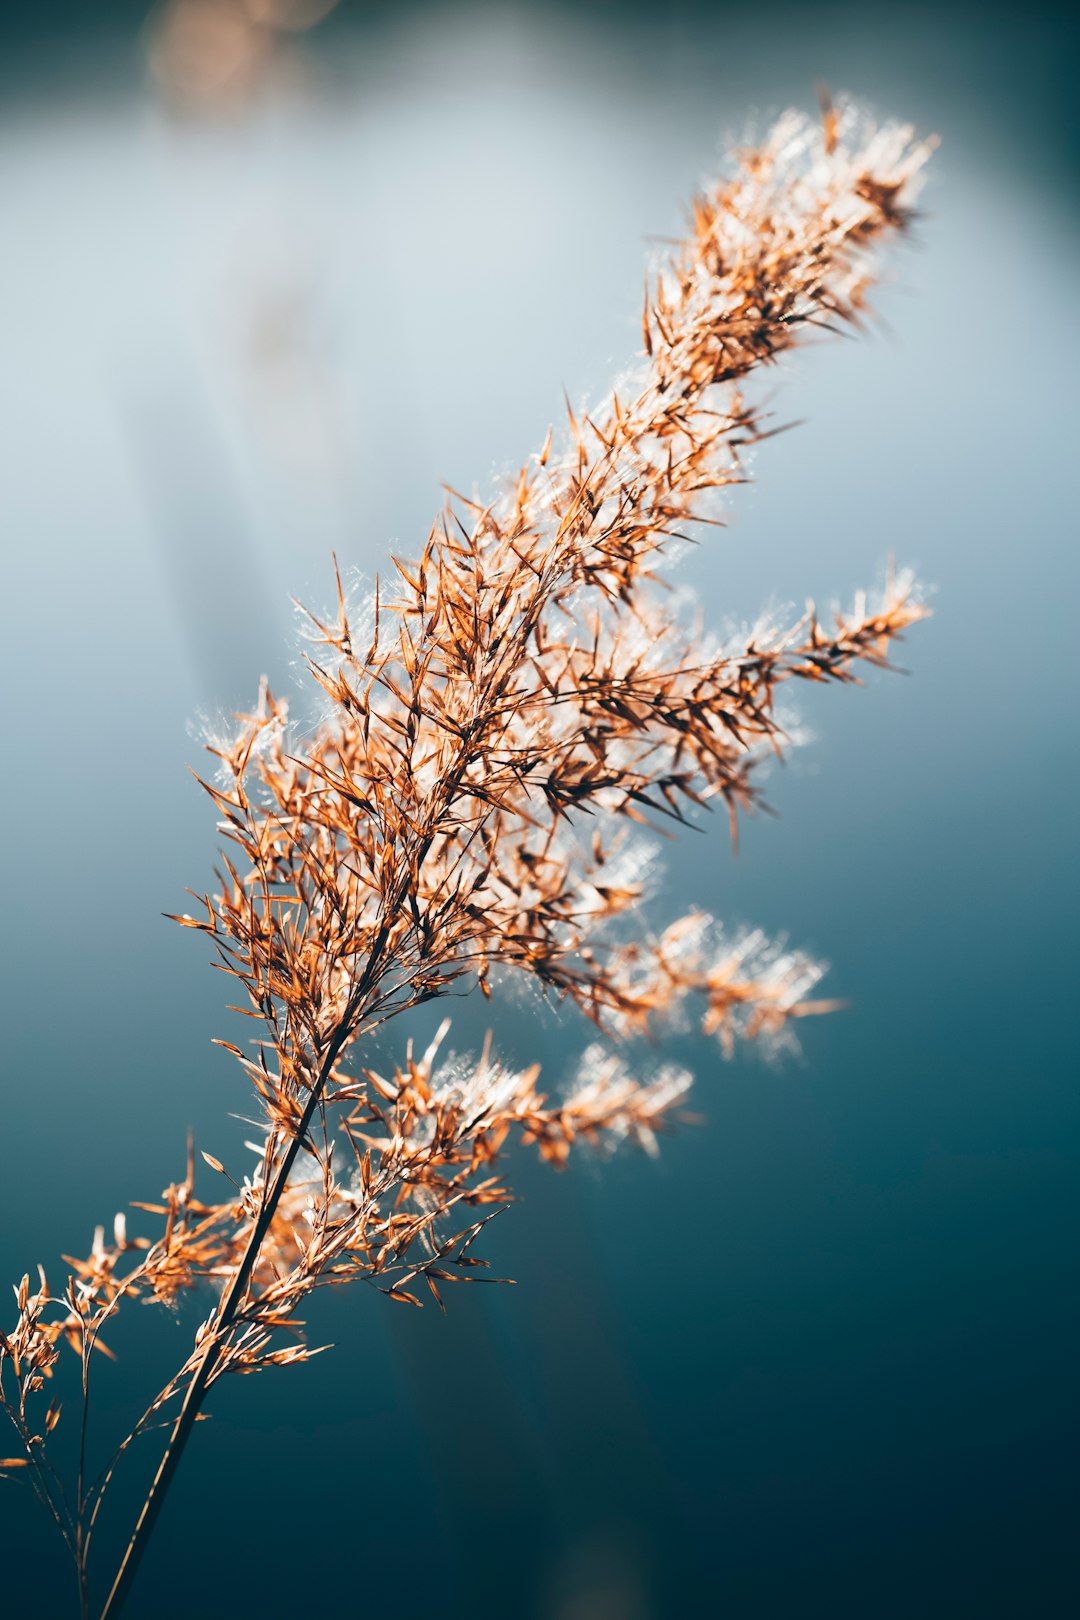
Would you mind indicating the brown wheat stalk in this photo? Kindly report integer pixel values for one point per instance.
(495, 718)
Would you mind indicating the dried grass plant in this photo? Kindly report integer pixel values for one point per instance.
(498, 717)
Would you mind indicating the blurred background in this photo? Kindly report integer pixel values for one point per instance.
(274, 269)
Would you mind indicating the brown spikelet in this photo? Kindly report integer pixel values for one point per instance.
(501, 717)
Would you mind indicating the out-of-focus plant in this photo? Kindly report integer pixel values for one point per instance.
(500, 716)
(214, 55)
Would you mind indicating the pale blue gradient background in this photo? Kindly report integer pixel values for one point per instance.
(819, 1359)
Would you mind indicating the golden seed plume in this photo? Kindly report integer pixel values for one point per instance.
(513, 701)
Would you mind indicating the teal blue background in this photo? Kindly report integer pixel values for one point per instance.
(819, 1358)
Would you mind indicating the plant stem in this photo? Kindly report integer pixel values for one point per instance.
(230, 1304)
(80, 1526)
